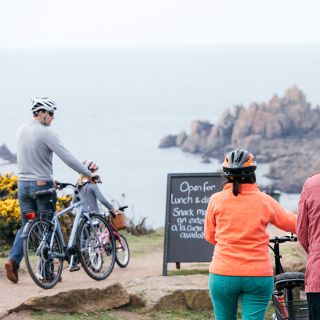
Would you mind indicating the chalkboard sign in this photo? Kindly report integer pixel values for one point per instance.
(188, 196)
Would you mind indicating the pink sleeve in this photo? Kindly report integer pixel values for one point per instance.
(210, 224)
(303, 221)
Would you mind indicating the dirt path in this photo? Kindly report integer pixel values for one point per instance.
(12, 295)
(140, 267)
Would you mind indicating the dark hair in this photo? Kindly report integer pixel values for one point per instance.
(237, 181)
(35, 113)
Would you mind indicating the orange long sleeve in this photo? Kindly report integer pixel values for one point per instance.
(237, 226)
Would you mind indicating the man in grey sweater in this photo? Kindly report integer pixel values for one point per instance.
(36, 143)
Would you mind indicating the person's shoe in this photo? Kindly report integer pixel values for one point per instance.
(12, 270)
(74, 267)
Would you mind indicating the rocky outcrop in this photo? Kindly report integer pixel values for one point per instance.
(7, 155)
(283, 132)
(168, 141)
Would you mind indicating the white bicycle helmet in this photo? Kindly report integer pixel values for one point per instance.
(43, 104)
(91, 165)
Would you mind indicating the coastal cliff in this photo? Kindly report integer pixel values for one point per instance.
(7, 155)
(283, 132)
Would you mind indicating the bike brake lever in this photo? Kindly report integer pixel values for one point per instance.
(292, 237)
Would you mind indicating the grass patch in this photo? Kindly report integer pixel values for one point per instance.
(186, 272)
(145, 243)
(72, 316)
(136, 314)
(180, 315)
(122, 315)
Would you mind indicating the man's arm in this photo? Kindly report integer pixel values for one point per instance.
(65, 155)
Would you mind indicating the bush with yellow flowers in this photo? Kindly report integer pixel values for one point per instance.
(9, 207)
(10, 218)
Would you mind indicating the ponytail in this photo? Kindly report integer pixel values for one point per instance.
(236, 187)
(237, 181)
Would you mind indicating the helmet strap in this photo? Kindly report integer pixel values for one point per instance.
(44, 122)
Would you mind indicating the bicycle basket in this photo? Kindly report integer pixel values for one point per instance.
(290, 310)
(119, 221)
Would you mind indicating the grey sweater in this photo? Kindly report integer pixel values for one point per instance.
(35, 147)
(89, 194)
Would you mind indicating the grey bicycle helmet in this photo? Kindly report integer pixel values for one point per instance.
(239, 163)
(43, 104)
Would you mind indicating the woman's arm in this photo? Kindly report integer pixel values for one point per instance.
(303, 221)
(100, 197)
(283, 218)
(210, 223)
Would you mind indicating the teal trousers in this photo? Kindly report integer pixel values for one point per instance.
(254, 294)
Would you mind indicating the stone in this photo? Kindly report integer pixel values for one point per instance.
(205, 160)
(3, 313)
(7, 155)
(294, 94)
(168, 141)
(181, 138)
(172, 292)
(80, 300)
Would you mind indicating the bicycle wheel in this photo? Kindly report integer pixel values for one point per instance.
(43, 264)
(96, 247)
(122, 251)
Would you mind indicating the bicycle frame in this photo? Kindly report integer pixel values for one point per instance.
(57, 229)
(91, 241)
(277, 257)
(285, 283)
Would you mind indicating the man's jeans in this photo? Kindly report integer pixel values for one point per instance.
(26, 192)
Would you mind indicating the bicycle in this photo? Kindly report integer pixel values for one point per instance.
(121, 244)
(91, 242)
(286, 308)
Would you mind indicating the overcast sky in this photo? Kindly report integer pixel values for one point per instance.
(69, 23)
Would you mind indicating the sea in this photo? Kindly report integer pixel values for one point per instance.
(115, 105)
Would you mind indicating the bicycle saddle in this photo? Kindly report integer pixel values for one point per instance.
(289, 280)
(45, 193)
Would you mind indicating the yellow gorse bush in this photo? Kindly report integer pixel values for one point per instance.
(9, 210)
(8, 186)
(9, 206)
(10, 218)
(63, 202)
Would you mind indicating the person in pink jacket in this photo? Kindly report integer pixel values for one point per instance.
(308, 232)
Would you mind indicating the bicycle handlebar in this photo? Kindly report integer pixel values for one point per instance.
(285, 238)
(62, 185)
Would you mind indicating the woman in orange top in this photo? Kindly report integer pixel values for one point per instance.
(236, 223)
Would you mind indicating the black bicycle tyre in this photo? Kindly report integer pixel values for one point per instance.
(125, 242)
(87, 268)
(26, 241)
